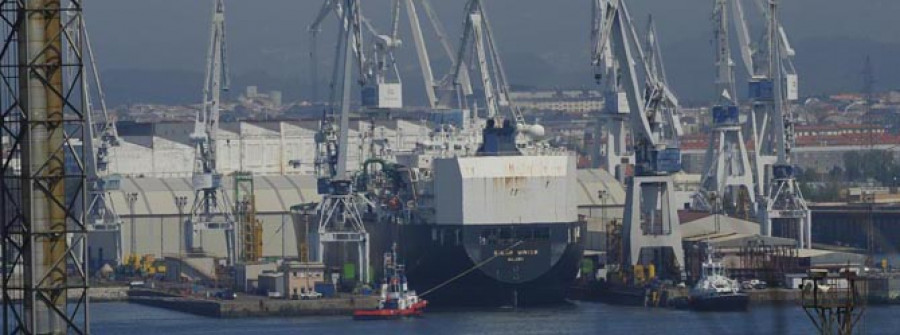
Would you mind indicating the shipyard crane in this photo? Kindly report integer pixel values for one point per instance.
(727, 174)
(101, 215)
(786, 213)
(773, 90)
(381, 84)
(211, 209)
(478, 39)
(615, 156)
(440, 93)
(651, 220)
(756, 60)
(339, 217)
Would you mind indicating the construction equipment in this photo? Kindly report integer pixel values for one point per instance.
(727, 171)
(651, 229)
(211, 209)
(42, 176)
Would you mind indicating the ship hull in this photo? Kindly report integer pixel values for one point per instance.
(492, 265)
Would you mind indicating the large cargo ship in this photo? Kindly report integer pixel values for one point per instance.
(493, 227)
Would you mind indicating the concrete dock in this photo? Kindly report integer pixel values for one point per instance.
(255, 306)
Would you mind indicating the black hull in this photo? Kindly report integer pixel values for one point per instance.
(492, 265)
(722, 303)
(616, 294)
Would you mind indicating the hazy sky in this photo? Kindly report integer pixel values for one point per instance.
(544, 42)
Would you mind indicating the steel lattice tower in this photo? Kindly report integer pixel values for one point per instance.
(43, 178)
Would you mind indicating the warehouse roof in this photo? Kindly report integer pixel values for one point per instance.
(277, 193)
(156, 196)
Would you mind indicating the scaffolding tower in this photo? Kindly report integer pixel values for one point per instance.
(251, 230)
(43, 191)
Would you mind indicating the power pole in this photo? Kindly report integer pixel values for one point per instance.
(868, 75)
(131, 198)
(42, 178)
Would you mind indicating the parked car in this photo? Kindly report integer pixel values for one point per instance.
(311, 295)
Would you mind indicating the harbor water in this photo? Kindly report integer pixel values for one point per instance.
(575, 318)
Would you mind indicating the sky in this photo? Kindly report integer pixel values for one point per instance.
(154, 50)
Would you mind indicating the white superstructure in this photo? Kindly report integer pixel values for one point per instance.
(505, 190)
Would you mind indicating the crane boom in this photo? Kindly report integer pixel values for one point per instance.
(478, 36)
(422, 53)
(211, 209)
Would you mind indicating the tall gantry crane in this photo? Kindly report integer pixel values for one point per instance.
(102, 217)
(786, 213)
(211, 209)
(381, 84)
(42, 172)
(615, 156)
(340, 219)
(478, 42)
(773, 92)
(441, 93)
(651, 227)
(727, 173)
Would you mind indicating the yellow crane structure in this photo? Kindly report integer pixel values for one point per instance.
(251, 229)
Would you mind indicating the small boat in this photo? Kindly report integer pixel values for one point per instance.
(716, 291)
(397, 300)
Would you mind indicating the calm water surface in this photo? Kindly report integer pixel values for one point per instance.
(577, 318)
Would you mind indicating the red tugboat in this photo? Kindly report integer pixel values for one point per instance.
(397, 300)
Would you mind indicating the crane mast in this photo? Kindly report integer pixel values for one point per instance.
(103, 136)
(439, 93)
(613, 119)
(727, 182)
(651, 221)
(211, 209)
(786, 213)
(478, 39)
(339, 217)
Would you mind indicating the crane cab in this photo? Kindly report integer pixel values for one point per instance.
(383, 96)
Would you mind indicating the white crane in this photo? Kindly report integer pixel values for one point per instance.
(727, 173)
(786, 213)
(651, 220)
(340, 220)
(211, 209)
(774, 88)
(382, 86)
(440, 93)
(478, 39)
(101, 215)
(615, 156)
